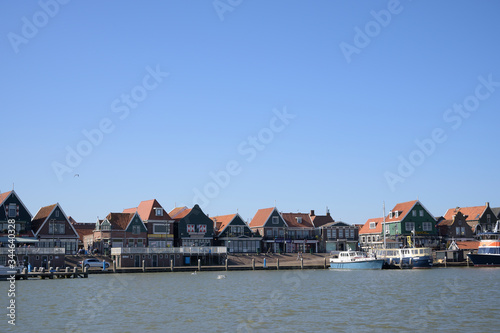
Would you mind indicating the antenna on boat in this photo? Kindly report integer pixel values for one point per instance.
(383, 227)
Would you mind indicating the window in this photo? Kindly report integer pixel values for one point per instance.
(352, 233)
(488, 217)
(427, 226)
(269, 233)
(57, 213)
(373, 225)
(397, 213)
(421, 213)
(334, 233)
(275, 220)
(409, 226)
(159, 228)
(463, 230)
(341, 233)
(12, 210)
(136, 229)
(159, 211)
(282, 233)
(329, 234)
(299, 219)
(414, 213)
(57, 228)
(106, 226)
(190, 228)
(457, 230)
(387, 229)
(202, 228)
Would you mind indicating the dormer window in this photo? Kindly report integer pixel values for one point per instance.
(390, 215)
(12, 210)
(159, 211)
(299, 219)
(397, 213)
(373, 225)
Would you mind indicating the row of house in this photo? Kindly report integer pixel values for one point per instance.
(148, 232)
(410, 223)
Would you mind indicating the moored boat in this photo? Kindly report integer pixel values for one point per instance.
(488, 252)
(355, 260)
(414, 257)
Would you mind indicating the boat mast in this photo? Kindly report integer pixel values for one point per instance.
(383, 226)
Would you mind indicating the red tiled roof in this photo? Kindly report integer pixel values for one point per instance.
(179, 212)
(365, 229)
(468, 245)
(84, 229)
(291, 220)
(445, 223)
(473, 213)
(4, 196)
(319, 220)
(403, 209)
(119, 221)
(146, 211)
(41, 216)
(261, 217)
(222, 221)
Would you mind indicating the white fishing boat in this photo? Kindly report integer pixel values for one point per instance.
(355, 260)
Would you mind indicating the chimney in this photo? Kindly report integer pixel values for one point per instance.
(487, 204)
(312, 212)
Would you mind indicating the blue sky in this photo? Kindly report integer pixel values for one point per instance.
(306, 104)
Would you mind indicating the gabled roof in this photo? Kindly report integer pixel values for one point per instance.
(260, 218)
(403, 208)
(339, 224)
(473, 213)
(222, 221)
(120, 221)
(465, 245)
(146, 211)
(496, 211)
(43, 215)
(5, 195)
(444, 222)
(291, 220)
(365, 229)
(179, 212)
(320, 220)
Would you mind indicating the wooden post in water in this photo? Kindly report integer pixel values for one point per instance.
(199, 264)
(278, 264)
(171, 265)
(227, 264)
(325, 263)
(253, 264)
(301, 263)
(143, 265)
(75, 272)
(114, 266)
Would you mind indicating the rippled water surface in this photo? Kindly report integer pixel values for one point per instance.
(458, 299)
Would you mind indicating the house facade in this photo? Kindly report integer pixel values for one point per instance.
(300, 234)
(410, 222)
(193, 227)
(232, 232)
(53, 229)
(118, 230)
(479, 218)
(12, 208)
(338, 236)
(456, 229)
(159, 224)
(271, 227)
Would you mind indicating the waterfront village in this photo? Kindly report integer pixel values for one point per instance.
(149, 235)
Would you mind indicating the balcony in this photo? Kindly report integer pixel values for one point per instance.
(34, 250)
(116, 251)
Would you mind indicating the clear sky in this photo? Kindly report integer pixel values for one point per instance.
(238, 105)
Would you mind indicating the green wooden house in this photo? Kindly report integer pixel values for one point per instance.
(411, 219)
(232, 232)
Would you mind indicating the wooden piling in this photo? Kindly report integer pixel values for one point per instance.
(226, 264)
(301, 263)
(325, 263)
(278, 264)
(143, 265)
(199, 264)
(253, 264)
(171, 265)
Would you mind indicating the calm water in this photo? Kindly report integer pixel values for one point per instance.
(462, 299)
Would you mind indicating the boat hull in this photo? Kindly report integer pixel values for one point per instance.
(485, 260)
(367, 264)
